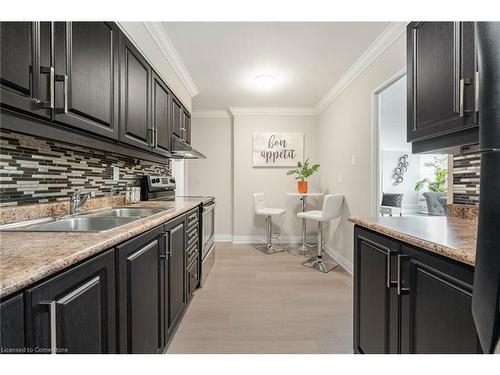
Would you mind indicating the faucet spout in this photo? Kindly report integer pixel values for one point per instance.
(78, 200)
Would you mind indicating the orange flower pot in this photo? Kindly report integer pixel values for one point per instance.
(302, 186)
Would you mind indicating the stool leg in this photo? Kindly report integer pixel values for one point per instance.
(269, 248)
(320, 262)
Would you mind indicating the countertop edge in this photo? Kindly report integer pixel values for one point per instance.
(87, 252)
(446, 251)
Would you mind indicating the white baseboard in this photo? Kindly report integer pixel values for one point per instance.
(339, 258)
(263, 239)
(223, 238)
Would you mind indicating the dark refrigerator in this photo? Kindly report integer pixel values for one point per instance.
(486, 294)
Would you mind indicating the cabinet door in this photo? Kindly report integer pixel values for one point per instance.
(87, 74)
(140, 294)
(161, 123)
(441, 72)
(25, 66)
(176, 272)
(375, 298)
(192, 277)
(436, 296)
(135, 91)
(177, 117)
(12, 325)
(74, 312)
(187, 126)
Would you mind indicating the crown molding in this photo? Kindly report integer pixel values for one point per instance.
(273, 111)
(383, 41)
(211, 113)
(167, 48)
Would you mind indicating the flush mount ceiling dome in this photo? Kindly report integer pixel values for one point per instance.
(264, 81)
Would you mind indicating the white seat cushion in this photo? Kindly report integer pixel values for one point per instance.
(311, 215)
(271, 211)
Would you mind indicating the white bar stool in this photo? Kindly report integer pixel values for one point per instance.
(302, 250)
(332, 206)
(262, 210)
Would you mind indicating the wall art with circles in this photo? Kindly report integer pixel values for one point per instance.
(399, 171)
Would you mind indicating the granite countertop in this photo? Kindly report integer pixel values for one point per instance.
(452, 237)
(27, 257)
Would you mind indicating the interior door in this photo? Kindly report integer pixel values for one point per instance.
(87, 76)
(441, 61)
(26, 68)
(135, 122)
(74, 312)
(161, 123)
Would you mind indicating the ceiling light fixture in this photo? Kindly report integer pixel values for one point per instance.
(264, 81)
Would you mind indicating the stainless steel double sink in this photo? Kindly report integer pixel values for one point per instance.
(97, 221)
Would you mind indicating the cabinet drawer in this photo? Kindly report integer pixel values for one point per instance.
(192, 252)
(192, 218)
(193, 276)
(192, 235)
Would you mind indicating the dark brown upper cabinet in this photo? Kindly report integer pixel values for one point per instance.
(135, 122)
(187, 126)
(87, 76)
(441, 81)
(177, 117)
(161, 116)
(26, 68)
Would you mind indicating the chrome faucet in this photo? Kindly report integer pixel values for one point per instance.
(77, 201)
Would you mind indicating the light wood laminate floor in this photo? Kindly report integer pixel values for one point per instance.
(256, 303)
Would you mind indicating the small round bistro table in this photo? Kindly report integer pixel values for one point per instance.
(301, 250)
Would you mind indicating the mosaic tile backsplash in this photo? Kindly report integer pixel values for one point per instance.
(466, 171)
(37, 170)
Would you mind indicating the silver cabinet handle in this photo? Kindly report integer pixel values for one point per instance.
(51, 72)
(155, 132)
(476, 91)
(151, 141)
(461, 98)
(401, 290)
(64, 79)
(390, 284)
(53, 325)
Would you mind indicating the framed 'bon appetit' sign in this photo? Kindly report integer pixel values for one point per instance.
(281, 149)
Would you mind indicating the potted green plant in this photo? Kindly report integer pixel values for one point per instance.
(440, 183)
(303, 172)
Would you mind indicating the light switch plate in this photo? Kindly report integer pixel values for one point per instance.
(340, 178)
(353, 159)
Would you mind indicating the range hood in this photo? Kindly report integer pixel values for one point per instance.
(181, 150)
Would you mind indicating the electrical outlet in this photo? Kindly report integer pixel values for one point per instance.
(340, 178)
(116, 173)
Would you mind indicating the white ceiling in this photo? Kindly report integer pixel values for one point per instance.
(306, 59)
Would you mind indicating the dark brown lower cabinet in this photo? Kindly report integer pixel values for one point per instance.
(12, 325)
(140, 264)
(423, 308)
(175, 273)
(74, 312)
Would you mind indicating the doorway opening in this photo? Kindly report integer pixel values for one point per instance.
(420, 180)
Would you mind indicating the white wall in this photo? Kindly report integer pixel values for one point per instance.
(389, 161)
(273, 182)
(214, 175)
(344, 129)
